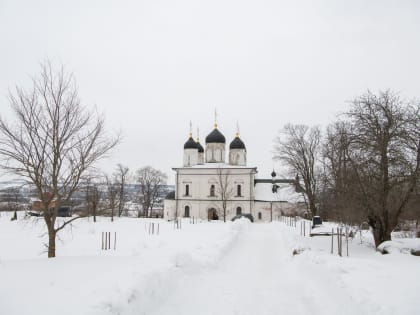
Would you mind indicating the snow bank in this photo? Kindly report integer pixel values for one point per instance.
(86, 280)
(403, 246)
(376, 283)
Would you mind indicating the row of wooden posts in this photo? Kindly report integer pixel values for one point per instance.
(290, 221)
(152, 228)
(305, 226)
(305, 230)
(106, 241)
(339, 233)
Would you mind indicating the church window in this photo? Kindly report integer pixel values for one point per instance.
(238, 210)
(239, 190)
(259, 216)
(212, 191)
(187, 190)
(187, 212)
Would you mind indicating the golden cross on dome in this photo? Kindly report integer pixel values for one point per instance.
(215, 118)
(190, 129)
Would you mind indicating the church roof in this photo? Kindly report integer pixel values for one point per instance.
(285, 193)
(190, 144)
(215, 137)
(215, 166)
(200, 147)
(237, 143)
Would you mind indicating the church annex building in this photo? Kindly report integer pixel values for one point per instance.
(208, 187)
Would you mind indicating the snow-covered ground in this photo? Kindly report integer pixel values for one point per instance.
(206, 268)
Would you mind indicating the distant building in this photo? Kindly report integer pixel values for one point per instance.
(206, 181)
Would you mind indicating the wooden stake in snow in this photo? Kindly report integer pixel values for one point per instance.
(106, 241)
(115, 240)
(347, 240)
(340, 241)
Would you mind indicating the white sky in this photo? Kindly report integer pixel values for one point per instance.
(152, 66)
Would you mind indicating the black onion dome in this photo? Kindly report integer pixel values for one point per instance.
(273, 174)
(170, 195)
(190, 144)
(237, 143)
(200, 147)
(215, 137)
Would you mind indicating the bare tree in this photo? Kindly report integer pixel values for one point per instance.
(52, 143)
(299, 147)
(93, 198)
(121, 174)
(224, 188)
(111, 195)
(338, 198)
(150, 181)
(385, 156)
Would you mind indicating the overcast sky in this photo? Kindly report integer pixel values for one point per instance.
(152, 66)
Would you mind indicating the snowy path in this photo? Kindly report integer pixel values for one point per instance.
(259, 276)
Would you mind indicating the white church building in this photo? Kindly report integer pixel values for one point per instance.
(210, 188)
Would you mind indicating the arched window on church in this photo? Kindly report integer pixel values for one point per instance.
(187, 212)
(238, 190)
(238, 210)
(212, 191)
(259, 216)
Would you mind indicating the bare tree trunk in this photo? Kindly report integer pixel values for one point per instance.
(381, 233)
(224, 188)
(51, 244)
(94, 207)
(52, 233)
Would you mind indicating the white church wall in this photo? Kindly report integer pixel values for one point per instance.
(199, 181)
(200, 158)
(190, 157)
(237, 157)
(169, 206)
(215, 153)
(279, 208)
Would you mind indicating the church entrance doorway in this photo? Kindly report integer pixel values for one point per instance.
(212, 214)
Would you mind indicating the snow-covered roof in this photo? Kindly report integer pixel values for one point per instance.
(285, 192)
(215, 166)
